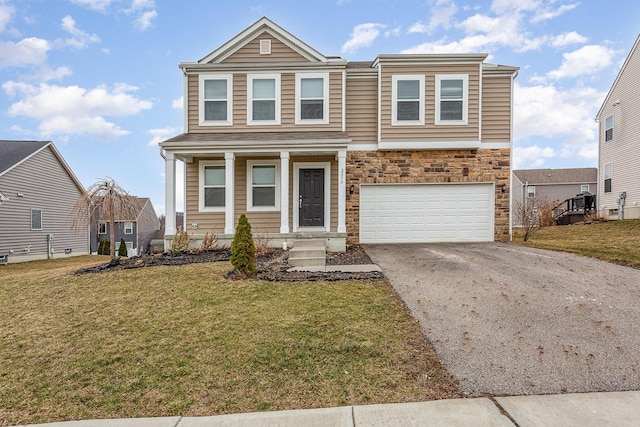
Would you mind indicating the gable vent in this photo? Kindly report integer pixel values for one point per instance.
(265, 47)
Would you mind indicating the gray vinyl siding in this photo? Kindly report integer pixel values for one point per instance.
(46, 185)
(623, 151)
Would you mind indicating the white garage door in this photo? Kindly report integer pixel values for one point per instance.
(403, 213)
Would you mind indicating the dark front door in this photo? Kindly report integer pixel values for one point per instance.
(311, 198)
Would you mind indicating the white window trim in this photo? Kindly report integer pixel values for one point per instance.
(124, 228)
(216, 76)
(582, 187)
(531, 191)
(250, 121)
(201, 166)
(250, 165)
(394, 100)
(465, 99)
(607, 128)
(31, 219)
(100, 224)
(325, 99)
(606, 176)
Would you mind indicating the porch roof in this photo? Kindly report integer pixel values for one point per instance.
(256, 142)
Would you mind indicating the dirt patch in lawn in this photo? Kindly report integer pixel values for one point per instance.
(271, 265)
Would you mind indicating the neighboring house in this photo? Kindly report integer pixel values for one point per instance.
(38, 192)
(551, 185)
(404, 148)
(619, 151)
(137, 232)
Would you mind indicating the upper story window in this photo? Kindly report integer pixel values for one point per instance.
(216, 99)
(452, 99)
(36, 219)
(531, 191)
(584, 187)
(608, 128)
(263, 103)
(312, 98)
(263, 189)
(102, 228)
(212, 186)
(608, 175)
(407, 100)
(128, 228)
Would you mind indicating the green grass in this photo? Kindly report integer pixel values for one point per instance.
(162, 341)
(612, 241)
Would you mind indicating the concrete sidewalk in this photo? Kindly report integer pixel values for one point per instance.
(585, 410)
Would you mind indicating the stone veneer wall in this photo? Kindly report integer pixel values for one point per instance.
(437, 166)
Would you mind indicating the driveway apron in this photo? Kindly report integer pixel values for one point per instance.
(510, 320)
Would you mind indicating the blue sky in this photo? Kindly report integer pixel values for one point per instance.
(99, 78)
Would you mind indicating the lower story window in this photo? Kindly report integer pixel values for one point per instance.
(36, 219)
(608, 173)
(212, 186)
(263, 186)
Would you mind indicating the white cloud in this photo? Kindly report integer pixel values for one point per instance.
(394, 32)
(80, 39)
(29, 51)
(504, 6)
(137, 5)
(532, 156)
(363, 35)
(97, 5)
(68, 110)
(550, 112)
(586, 60)
(548, 12)
(145, 21)
(566, 39)
(6, 13)
(160, 135)
(178, 103)
(442, 13)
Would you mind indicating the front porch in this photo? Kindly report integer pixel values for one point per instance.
(289, 187)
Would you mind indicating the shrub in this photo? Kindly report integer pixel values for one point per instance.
(180, 242)
(104, 247)
(209, 242)
(122, 249)
(262, 244)
(243, 251)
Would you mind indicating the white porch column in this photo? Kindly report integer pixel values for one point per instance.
(229, 193)
(169, 194)
(284, 192)
(342, 191)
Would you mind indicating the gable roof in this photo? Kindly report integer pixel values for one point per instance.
(14, 153)
(557, 176)
(140, 204)
(249, 34)
(615, 82)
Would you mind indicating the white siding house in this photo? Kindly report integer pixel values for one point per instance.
(619, 143)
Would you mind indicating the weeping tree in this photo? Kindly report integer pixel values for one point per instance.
(105, 199)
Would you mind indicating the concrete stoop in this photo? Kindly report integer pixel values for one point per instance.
(308, 253)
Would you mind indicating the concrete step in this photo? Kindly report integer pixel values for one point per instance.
(310, 243)
(308, 253)
(307, 262)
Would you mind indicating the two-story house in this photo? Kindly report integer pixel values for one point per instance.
(404, 148)
(618, 148)
(137, 231)
(38, 192)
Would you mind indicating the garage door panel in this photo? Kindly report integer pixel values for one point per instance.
(426, 213)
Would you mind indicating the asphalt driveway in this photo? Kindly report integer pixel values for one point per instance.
(511, 320)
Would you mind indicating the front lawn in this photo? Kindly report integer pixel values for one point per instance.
(159, 341)
(612, 241)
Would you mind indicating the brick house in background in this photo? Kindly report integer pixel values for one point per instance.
(403, 148)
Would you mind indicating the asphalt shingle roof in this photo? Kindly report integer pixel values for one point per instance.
(557, 176)
(13, 152)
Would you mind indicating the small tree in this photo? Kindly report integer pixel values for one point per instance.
(104, 199)
(532, 213)
(243, 251)
(122, 249)
(103, 247)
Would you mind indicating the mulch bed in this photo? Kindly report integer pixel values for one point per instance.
(271, 266)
